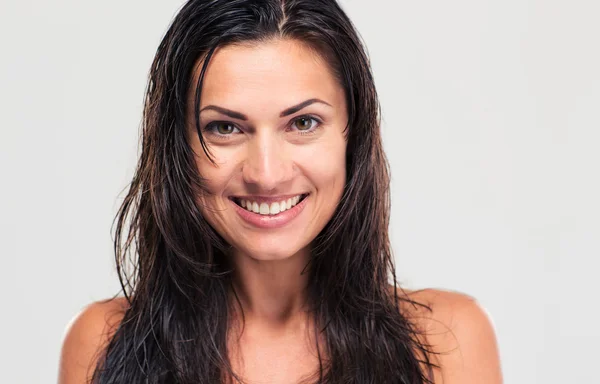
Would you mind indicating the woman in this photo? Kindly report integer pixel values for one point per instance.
(257, 221)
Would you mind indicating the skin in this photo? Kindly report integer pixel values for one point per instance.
(267, 155)
(270, 157)
(458, 327)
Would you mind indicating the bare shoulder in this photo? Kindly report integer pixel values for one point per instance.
(460, 332)
(86, 336)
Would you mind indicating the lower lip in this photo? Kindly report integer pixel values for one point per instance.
(271, 221)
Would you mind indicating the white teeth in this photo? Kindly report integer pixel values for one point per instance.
(273, 209)
(264, 209)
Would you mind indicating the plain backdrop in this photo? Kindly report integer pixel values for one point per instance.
(491, 124)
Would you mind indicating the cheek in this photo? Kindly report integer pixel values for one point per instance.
(216, 177)
(325, 166)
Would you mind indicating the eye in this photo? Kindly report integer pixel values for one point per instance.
(305, 123)
(221, 128)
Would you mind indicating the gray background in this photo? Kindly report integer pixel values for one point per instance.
(491, 126)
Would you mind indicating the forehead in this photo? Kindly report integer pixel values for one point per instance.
(267, 75)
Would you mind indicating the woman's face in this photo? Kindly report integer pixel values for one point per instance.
(273, 118)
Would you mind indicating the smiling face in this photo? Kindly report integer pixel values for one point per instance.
(273, 118)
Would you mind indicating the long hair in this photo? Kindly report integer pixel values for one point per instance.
(172, 264)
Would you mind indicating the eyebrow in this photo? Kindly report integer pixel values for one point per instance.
(285, 112)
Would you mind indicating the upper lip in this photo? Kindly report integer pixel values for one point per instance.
(267, 199)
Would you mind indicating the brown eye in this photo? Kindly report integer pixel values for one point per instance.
(221, 129)
(224, 128)
(304, 123)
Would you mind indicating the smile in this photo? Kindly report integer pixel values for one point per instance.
(269, 212)
(269, 207)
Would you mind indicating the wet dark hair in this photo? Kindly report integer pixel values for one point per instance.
(173, 265)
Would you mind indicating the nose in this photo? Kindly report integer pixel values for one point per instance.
(268, 166)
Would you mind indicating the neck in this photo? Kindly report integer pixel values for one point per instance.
(272, 293)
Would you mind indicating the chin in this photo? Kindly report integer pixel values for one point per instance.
(271, 252)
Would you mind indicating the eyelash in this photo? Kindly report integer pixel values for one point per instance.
(210, 126)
